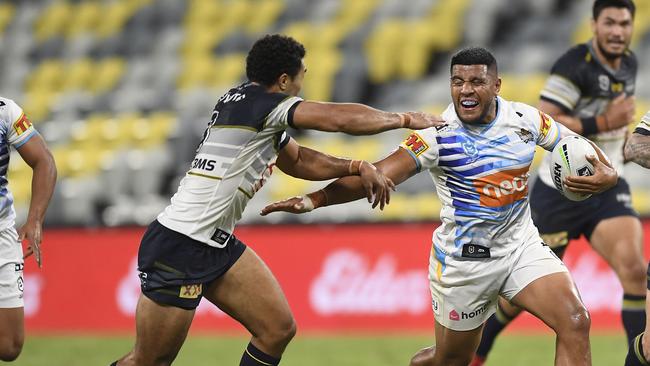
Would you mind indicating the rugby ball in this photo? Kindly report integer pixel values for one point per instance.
(569, 158)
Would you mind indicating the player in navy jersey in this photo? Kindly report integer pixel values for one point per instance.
(189, 251)
(590, 90)
(487, 244)
(637, 150)
(18, 132)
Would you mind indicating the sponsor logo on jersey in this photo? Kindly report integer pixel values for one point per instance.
(22, 124)
(545, 123)
(416, 144)
(470, 149)
(502, 188)
(204, 164)
(453, 315)
(525, 135)
(190, 291)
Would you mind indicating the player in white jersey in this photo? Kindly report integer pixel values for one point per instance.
(487, 244)
(637, 149)
(590, 91)
(190, 251)
(17, 131)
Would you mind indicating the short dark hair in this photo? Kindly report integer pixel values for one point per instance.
(473, 56)
(272, 56)
(600, 5)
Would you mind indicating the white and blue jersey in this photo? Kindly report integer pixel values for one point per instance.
(481, 176)
(15, 130)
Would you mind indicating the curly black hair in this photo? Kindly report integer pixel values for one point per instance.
(474, 56)
(600, 5)
(272, 56)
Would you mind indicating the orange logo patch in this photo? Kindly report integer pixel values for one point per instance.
(190, 291)
(416, 144)
(545, 124)
(503, 188)
(22, 124)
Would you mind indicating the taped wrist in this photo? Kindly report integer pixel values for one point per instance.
(317, 199)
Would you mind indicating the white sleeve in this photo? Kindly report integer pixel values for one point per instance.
(423, 147)
(643, 127)
(282, 115)
(19, 128)
(549, 131)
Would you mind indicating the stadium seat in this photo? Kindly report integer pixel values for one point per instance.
(6, 13)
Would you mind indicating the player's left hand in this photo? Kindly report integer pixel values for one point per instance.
(376, 185)
(32, 232)
(295, 205)
(604, 178)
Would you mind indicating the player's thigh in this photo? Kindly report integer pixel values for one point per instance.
(160, 331)
(249, 292)
(455, 347)
(555, 300)
(11, 292)
(619, 240)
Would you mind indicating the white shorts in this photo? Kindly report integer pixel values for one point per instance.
(464, 293)
(11, 269)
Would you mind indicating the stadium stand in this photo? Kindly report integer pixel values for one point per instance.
(122, 90)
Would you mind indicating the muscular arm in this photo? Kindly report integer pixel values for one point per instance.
(572, 123)
(356, 119)
(36, 154)
(398, 167)
(637, 149)
(305, 163)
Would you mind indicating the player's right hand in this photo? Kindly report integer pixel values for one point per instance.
(620, 112)
(296, 205)
(376, 185)
(421, 120)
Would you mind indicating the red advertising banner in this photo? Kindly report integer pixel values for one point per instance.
(336, 278)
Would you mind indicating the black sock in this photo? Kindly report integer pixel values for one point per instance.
(493, 326)
(254, 357)
(633, 315)
(635, 353)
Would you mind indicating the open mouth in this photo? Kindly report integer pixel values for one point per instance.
(469, 104)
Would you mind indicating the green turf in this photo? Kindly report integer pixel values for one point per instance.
(525, 350)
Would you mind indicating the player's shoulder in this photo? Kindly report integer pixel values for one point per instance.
(577, 54)
(249, 104)
(9, 110)
(630, 60)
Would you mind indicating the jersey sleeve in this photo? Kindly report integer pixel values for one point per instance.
(423, 148)
(19, 128)
(562, 87)
(548, 131)
(282, 115)
(643, 128)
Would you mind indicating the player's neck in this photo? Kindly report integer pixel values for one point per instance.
(613, 63)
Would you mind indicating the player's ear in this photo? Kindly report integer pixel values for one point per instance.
(497, 85)
(593, 26)
(283, 82)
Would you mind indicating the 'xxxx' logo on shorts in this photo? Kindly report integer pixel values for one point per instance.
(190, 291)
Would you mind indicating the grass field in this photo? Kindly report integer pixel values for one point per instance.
(524, 350)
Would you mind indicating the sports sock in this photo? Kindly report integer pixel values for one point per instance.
(635, 353)
(493, 326)
(633, 315)
(254, 357)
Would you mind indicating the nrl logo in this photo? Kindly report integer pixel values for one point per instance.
(525, 135)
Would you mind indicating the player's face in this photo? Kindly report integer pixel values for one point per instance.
(295, 84)
(613, 31)
(473, 90)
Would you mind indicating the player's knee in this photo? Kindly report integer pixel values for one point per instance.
(423, 357)
(10, 349)
(578, 322)
(632, 273)
(280, 333)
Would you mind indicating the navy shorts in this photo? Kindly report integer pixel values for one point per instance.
(175, 269)
(560, 219)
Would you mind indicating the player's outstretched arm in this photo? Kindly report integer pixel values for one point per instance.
(619, 113)
(305, 163)
(36, 154)
(637, 149)
(604, 177)
(357, 119)
(398, 167)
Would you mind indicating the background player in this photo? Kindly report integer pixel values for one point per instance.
(637, 149)
(17, 131)
(590, 91)
(189, 252)
(487, 244)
